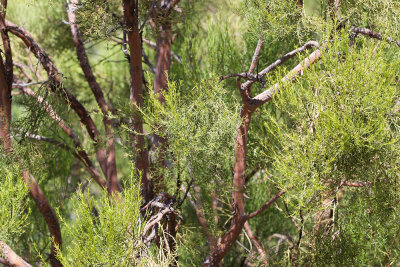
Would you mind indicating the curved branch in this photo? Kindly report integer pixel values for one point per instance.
(111, 167)
(57, 87)
(79, 152)
(49, 215)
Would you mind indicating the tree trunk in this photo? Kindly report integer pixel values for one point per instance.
(136, 89)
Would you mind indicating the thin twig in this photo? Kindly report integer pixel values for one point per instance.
(266, 205)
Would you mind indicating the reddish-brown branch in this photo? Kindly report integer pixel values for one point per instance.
(226, 242)
(10, 258)
(80, 152)
(239, 217)
(111, 167)
(6, 77)
(49, 215)
(6, 45)
(266, 205)
(35, 191)
(5, 108)
(136, 99)
(163, 60)
(249, 105)
(154, 46)
(57, 87)
(259, 246)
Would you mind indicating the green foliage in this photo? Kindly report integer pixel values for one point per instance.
(13, 204)
(106, 231)
(200, 127)
(336, 123)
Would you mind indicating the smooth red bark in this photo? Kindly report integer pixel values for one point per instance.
(136, 98)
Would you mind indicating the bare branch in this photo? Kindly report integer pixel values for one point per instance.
(260, 248)
(372, 34)
(268, 94)
(280, 61)
(266, 205)
(10, 258)
(79, 150)
(256, 55)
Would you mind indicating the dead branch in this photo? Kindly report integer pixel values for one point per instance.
(280, 61)
(372, 34)
(10, 258)
(268, 94)
(256, 55)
